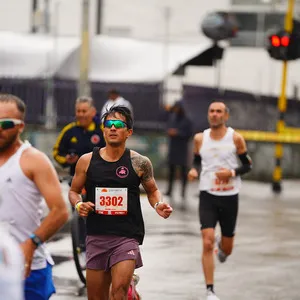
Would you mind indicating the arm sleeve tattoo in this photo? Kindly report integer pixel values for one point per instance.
(142, 166)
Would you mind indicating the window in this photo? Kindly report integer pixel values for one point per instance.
(274, 20)
(253, 27)
(246, 21)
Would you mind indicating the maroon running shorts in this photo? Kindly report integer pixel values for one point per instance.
(104, 251)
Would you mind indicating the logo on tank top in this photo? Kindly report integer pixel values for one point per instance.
(122, 172)
(95, 139)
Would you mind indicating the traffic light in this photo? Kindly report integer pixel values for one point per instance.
(283, 45)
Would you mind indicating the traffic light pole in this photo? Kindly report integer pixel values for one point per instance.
(282, 104)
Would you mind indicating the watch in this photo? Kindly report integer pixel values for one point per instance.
(36, 240)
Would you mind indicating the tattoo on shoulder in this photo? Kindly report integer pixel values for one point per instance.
(142, 166)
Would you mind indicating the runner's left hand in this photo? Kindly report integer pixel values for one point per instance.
(223, 174)
(164, 210)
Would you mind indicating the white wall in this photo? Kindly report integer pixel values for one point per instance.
(242, 69)
(144, 19)
(147, 20)
(15, 15)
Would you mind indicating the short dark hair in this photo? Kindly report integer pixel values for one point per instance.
(220, 101)
(114, 92)
(123, 110)
(9, 98)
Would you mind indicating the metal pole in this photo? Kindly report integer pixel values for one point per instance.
(83, 85)
(165, 57)
(99, 17)
(260, 28)
(51, 115)
(47, 17)
(282, 104)
(217, 67)
(33, 16)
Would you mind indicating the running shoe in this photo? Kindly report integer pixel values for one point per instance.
(220, 254)
(211, 296)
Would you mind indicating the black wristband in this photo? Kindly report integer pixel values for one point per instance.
(246, 164)
(197, 161)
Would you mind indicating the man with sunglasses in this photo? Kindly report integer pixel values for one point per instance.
(217, 150)
(79, 137)
(26, 177)
(115, 226)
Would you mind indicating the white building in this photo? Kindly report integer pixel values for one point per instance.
(131, 18)
(243, 68)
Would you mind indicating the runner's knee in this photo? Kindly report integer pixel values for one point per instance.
(208, 243)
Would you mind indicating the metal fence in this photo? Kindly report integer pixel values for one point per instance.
(247, 111)
(145, 99)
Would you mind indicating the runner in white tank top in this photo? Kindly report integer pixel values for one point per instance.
(217, 150)
(27, 176)
(218, 154)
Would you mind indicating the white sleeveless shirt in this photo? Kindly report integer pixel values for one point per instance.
(21, 205)
(216, 154)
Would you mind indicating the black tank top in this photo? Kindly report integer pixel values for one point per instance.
(119, 174)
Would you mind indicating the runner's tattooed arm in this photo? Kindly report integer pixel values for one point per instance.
(144, 169)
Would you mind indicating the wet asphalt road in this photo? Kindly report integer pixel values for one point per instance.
(265, 263)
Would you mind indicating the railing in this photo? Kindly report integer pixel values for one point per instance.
(143, 97)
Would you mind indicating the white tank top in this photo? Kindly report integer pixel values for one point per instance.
(21, 205)
(216, 154)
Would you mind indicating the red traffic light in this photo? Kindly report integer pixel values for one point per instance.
(285, 41)
(275, 41)
(283, 45)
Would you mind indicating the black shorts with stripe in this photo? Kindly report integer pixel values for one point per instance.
(222, 209)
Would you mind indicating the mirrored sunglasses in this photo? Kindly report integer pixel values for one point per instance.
(9, 123)
(116, 123)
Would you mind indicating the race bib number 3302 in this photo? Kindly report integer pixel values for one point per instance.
(111, 201)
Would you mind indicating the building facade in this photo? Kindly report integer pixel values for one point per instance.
(246, 65)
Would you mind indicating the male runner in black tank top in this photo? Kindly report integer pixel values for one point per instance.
(115, 226)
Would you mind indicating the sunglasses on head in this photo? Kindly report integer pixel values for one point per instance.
(116, 123)
(9, 123)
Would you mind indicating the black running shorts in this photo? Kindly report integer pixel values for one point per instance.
(222, 209)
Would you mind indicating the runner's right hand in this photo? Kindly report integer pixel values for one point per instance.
(85, 208)
(193, 174)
